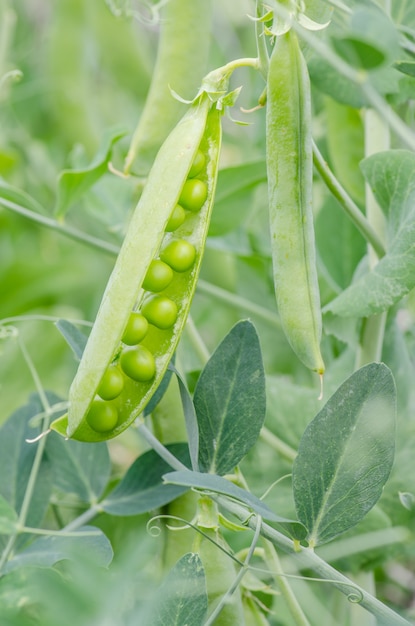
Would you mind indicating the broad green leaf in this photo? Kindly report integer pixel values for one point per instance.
(346, 454)
(290, 407)
(233, 197)
(73, 336)
(218, 484)
(398, 357)
(73, 183)
(330, 82)
(78, 467)
(91, 543)
(370, 40)
(16, 462)
(142, 488)
(230, 400)
(359, 53)
(8, 517)
(182, 598)
(391, 175)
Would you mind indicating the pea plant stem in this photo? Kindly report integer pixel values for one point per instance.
(41, 318)
(238, 302)
(159, 448)
(352, 210)
(61, 533)
(63, 229)
(82, 519)
(377, 138)
(277, 444)
(307, 558)
(273, 562)
(197, 341)
(103, 246)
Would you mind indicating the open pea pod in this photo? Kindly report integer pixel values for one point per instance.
(148, 296)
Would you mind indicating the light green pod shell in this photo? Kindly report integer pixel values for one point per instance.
(290, 178)
(199, 129)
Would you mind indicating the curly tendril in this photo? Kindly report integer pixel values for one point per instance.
(186, 524)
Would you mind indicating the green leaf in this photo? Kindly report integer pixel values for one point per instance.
(73, 183)
(233, 197)
(73, 336)
(182, 598)
(11, 196)
(329, 81)
(217, 484)
(345, 143)
(359, 53)
(346, 454)
(142, 488)
(16, 462)
(46, 551)
(391, 175)
(189, 417)
(406, 67)
(8, 517)
(230, 400)
(370, 41)
(161, 390)
(78, 467)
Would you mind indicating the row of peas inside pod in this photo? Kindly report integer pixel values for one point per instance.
(152, 323)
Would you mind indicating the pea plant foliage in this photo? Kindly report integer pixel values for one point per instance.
(207, 326)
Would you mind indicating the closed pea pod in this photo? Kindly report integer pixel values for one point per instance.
(121, 316)
(290, 177)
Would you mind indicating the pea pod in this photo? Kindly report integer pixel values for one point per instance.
(290, 177)
(150, 323)
(181, 62)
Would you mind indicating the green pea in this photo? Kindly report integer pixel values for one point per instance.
(112, 384)
(179, 254)
(160, 311)
(197, 165)
(290, 181)
(159, 276)
(176, 218)
(136, 329)
(102, 416)
(194, 194)
(138, 363)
